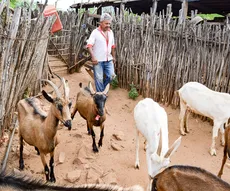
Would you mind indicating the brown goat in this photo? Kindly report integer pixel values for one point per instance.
(39, 129)
(16, 183)
(91, 106)
(187, 178)
(226, 150)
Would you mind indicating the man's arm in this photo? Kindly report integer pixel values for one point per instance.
(90, 43)
(93, 59)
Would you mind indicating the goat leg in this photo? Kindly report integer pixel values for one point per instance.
(21, 161)
(101, 136)
(46, 168)
(182, 117)
(95, 149)
(52, 177)
(74, 112)
(137, 163)
(186, 121)
(225, 154)
(223, 161)
(38, 153)
(88, 129)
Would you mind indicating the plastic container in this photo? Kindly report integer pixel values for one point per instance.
(49, 11)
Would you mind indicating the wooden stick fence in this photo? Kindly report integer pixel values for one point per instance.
(23, 58)
(159, 54)
(68, 44)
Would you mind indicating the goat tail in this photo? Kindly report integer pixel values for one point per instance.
(80, 84)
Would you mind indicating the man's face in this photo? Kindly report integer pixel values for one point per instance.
(105, 25)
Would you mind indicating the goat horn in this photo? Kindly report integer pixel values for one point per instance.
(91, 88)
(54, 87)
(66, 88)
(160, 144)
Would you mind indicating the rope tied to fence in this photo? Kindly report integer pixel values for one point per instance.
(10, 38)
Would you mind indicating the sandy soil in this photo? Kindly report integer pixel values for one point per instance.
(193, 150)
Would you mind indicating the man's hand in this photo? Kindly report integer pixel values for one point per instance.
(94, 61)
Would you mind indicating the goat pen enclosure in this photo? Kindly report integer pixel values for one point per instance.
(159, 54)
(23, 57)
(68, 44)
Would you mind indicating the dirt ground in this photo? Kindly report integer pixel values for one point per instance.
(192, 151)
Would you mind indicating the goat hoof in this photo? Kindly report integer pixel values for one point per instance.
(100, 143)
(137, 165)
(52, 179)
(213, 152)
(21, 166)
(183, 133)
(95, 150)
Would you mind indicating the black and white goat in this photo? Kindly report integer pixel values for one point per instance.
(16, 183)
(91, 106)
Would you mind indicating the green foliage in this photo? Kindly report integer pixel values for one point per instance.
(27, 93)
(210, 17)
(21, 3)
(133, 94)
(114, 83)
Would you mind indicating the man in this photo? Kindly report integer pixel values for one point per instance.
(101, 47)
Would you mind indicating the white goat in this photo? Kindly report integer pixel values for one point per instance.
(199, 99)
(151, 120)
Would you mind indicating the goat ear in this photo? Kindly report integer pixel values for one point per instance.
(50, 99)
(91, 88)
(160, 144)
(173, 148)
(106, 89)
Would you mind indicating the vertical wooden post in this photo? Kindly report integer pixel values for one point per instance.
(185, 7)
(183, 11)
(72, 57)
(153, 9)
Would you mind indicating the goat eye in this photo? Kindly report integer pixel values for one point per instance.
(70, 104)
(60, 107)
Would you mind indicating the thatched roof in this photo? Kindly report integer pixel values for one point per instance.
(140, 6)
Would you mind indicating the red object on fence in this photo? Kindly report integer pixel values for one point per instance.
(49, 11)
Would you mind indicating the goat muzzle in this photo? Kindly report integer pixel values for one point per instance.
(68, 124)
(100, 112)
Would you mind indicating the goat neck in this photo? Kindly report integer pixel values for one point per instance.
(51, 123)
